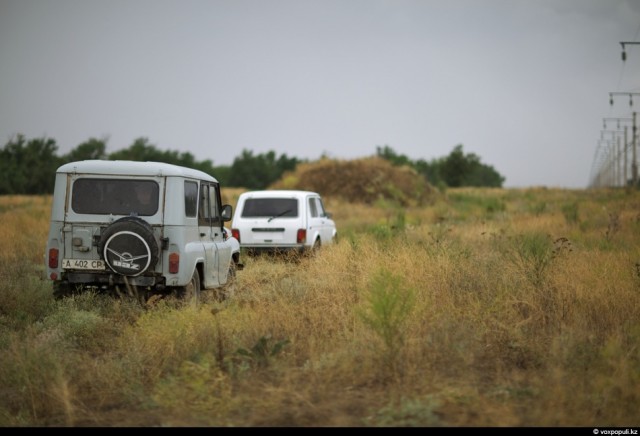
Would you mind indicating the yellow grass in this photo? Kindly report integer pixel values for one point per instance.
(521, 308)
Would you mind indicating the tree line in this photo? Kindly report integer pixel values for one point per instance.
(455, 170)
(28, 166)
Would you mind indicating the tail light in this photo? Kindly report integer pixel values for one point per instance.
(174, 263)
(301, 236)
(53, 258)
(236, 234)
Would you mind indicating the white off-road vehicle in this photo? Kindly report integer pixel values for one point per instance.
(139, 228)
(282, 221)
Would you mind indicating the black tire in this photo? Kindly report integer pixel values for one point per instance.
(311, 252)
(190, 294)
(61, 290)
(129, 247)
(228, 290)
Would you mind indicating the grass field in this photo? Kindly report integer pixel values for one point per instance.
(488, 307)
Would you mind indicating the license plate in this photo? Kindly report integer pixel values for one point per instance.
(83, 264)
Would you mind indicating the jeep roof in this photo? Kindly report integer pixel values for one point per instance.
(122, 167)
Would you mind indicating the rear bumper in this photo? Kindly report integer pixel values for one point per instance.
(262, 249)
(99, 279)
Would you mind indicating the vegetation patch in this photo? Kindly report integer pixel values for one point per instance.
(456, 313)
(365, 180)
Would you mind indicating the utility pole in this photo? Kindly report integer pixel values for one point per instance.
(620, 181)
(624, 173)
(634, 164)
(625, 156)
(608, 159)
(614, 162)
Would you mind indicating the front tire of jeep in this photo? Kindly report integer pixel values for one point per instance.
(228, 290)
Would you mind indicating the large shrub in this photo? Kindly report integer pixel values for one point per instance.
(362, 180)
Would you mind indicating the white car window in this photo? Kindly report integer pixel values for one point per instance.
(270, 207)
(320, 207)
(313, 210)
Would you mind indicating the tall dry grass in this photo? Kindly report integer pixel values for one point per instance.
(487, 308)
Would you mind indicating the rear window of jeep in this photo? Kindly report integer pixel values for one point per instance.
(270, 207)
(115, 196)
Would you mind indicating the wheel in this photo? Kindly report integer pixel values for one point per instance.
(61, 290)
(190, 294)
(228, 290)
(129, 247)
(314, 248)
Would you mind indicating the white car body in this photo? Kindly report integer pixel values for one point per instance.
(282, 220)
(155, 227)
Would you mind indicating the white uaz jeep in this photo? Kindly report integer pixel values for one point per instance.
(139, 228)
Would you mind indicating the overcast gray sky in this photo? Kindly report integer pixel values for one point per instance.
(523, 84)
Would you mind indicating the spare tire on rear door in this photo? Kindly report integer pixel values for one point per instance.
(128, 246)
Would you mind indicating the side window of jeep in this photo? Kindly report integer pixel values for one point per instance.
(209, 209)
(190, 198)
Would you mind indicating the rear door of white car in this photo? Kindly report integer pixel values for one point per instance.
(269, 221)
